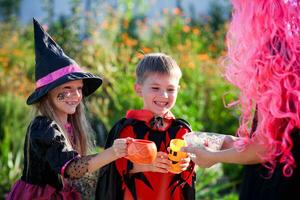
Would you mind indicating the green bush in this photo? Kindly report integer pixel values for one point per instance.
(14, 120)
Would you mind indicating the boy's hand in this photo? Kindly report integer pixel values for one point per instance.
(184, 163)
(161, 163)
(120, 147)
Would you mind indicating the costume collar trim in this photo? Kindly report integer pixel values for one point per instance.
(146, 115)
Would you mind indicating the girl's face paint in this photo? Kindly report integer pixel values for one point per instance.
(61, 96)
(69, 94)
(66, 97)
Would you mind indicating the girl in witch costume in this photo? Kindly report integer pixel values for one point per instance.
(157, 84)
(56, 144)
(264, 62)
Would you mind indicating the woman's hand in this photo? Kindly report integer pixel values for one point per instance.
(202, 157)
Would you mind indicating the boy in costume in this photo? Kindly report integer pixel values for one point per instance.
(157, 84)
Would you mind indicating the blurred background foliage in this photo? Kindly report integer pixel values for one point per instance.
(110, 44)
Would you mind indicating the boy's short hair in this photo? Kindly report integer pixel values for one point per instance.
(156, 63)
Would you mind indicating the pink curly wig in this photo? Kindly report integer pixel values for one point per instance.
(264, 63)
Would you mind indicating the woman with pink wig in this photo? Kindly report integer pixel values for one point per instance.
(263, 61)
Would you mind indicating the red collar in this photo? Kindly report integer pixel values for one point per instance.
(146, 115)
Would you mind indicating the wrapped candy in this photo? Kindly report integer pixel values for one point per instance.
(211, 141)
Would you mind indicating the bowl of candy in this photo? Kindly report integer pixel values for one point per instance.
(211, 141)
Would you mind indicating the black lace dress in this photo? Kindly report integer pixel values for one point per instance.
(46, 155)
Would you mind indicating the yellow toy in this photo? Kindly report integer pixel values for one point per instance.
(175, 155)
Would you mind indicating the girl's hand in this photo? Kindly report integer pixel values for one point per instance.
(161, 163)
(120, 147)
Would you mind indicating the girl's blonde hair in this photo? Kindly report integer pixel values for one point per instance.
(81, 128)
(78, 121)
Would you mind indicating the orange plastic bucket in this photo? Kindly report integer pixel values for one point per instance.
(142, 151)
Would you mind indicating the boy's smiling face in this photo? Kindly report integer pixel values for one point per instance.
(159, 92)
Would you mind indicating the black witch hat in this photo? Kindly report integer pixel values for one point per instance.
(53, 67)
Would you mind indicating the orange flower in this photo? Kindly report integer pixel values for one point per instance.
(185, 57)
(186, 28)
(130, 42)
(176, 11)
(139, 55)
(4, 62)
(146, 50)
(124, 36)
(203, 57)
(180, 47)
(196, 31)
(191, 65)
(17, 52)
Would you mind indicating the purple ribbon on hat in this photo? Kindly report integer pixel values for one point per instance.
(53, 76)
